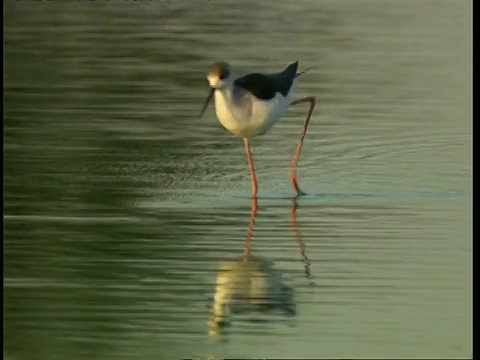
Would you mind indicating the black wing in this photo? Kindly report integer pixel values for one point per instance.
(264, 87)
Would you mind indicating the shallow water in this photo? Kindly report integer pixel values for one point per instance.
(121, 204)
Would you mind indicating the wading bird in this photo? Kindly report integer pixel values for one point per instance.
(252, 104)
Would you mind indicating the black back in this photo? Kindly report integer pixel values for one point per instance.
(265, 86)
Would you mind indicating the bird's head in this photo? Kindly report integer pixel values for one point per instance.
(219, 75)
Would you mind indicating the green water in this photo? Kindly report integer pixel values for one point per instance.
(121, 204)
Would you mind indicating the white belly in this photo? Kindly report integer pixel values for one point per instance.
(257, 119)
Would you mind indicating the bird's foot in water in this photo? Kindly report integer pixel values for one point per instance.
(300, 192)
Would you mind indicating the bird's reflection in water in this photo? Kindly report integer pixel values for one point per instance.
(251, 284)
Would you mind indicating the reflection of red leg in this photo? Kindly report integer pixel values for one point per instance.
(252, 167)
(293, 172)
(301, 244)
(250, 228)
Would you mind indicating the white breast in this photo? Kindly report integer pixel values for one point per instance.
(224, 113)
(257, 119)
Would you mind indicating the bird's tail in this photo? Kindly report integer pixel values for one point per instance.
(304, 71)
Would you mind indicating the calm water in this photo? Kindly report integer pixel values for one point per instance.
(121, 205)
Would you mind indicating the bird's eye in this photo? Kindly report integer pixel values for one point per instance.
(225, 74)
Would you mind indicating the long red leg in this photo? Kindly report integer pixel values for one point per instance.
(252, 167)
(301, 244)
(250, 229)
(293, 172)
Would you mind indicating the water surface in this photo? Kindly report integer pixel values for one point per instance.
(121, 204)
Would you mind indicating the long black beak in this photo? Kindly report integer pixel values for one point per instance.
(212, 90)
